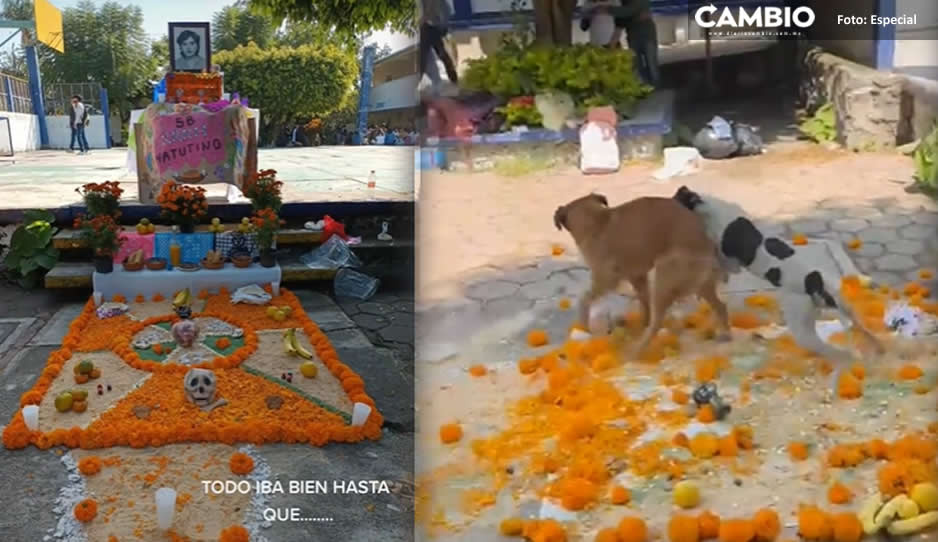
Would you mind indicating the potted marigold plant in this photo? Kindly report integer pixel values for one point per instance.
(103, 236)
(263, 189)
(266, 225)
(182, 205)
(101, 199)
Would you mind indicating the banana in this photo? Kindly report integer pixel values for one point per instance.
(288, 346)
(181, 299)
(889, 511)
(298, 347)
(914, 525)
(868, 511)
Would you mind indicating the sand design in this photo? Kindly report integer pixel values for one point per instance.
(114, 372)
(193, 355)
(125, 492)
(150, 309)
(272, 360)
(150, 336)
(214, 326)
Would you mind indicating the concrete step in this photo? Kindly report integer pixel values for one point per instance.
(75, 275)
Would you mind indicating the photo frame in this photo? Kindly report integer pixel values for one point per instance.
(190, 47)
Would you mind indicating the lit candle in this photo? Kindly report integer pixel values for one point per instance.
(165, 507)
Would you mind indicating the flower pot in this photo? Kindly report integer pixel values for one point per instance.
(104, 264)
(187, 228)
(267, 258)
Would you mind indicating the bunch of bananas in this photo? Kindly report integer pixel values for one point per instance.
(292, 346)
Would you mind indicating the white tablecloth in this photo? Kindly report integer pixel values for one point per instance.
(130, 284)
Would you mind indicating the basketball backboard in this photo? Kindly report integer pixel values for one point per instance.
(49, 25)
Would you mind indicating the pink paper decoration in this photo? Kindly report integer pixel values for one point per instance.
(132, 243)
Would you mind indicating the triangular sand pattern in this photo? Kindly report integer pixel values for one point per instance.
(214, 326)
(122, 378)
(151, 335)
(193, 355)
(271, 360)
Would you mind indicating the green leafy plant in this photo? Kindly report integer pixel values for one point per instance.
(521, 112)
(926, 163)
(592, 76)
(821, 126)
(31, 253)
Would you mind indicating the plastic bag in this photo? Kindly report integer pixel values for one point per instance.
(748, 140)
(599, 149)
(351, 283)
(333, 254)
(715, 140)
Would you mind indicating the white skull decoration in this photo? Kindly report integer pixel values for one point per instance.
(200, 386)
(185, 332)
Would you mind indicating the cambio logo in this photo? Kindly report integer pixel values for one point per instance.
(760, 17)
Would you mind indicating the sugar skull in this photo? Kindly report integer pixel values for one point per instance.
(200, 387)
(185, 333)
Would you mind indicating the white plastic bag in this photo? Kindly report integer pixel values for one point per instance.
(599, 148)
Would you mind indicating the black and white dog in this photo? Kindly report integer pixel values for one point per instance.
(804, 290)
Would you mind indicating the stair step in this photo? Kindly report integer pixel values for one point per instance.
(68, 275)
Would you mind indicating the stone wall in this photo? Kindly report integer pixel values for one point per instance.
(874, 109)
(867, 102)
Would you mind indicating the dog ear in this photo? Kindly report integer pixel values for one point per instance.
(602, 199)
(560, 217)
(688, 197)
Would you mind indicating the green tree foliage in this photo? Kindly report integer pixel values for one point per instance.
(236, 25)
(299, 33)
(353, 16)
(105, 44)
(289, 83)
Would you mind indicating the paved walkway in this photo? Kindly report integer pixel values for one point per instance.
(486, 276)
(49, 178)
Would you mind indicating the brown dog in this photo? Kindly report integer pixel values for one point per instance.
(656, 244)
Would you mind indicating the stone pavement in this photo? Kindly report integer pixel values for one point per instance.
(330, 173)
(30, 500)
(387, 320)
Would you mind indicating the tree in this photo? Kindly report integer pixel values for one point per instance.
(107, 45)
(236, 25)
(299, 33)
(287, 83)
(353, 16)
(159, 52)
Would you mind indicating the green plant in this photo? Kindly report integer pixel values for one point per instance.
(521, 112)
(821, 126)
(101, 232)
(926, 163)
(263, 189)
(31, 253)
(287, 83)
(102, 199)
(592, 76)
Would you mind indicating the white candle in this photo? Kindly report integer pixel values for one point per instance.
(165, 507)
(360, 413)
(98, 298)
(31, 417)
(275, 288)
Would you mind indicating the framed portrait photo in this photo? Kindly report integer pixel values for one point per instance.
(190, 48)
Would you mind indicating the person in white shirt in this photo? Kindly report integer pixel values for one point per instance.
(78, 119)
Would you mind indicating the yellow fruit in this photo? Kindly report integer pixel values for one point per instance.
(145, 221)
(286, 310)
(79, 395)
(216, 221)
(925, 495)
(686, 494)
(245, 220)
(95, 373)
(80, 406)
(141, 229)
(151, 228)
(309, 369)
(63, 402)
(279, 316)
(271, 310)
(908, 509)
(85, 367)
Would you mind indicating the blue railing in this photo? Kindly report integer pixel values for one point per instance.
(14, 94)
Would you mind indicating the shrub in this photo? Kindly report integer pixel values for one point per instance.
(592, 76)
(31, 252)
(821, 125)
(926, 163)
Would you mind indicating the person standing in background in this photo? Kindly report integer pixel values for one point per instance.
(434, 25)
(78, 119)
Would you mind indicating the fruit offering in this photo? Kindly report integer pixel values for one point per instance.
(245, 225)
(309, 369)
(145, 226)
(64, 401)
(292, 346)
(136, 257)
(216, 226)
(85, 371)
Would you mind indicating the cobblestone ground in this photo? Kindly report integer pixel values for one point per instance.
(387, 319)
(487, 277)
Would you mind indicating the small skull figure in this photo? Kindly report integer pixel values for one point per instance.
(201, 388)
(185, 332)
(184, 312)
(706, 394)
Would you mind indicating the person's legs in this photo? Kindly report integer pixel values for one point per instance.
(642, 39)
(82, 140)
(440, 49)
(423, 48)
(71, 146)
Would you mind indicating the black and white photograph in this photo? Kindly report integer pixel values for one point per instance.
(189, 47)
